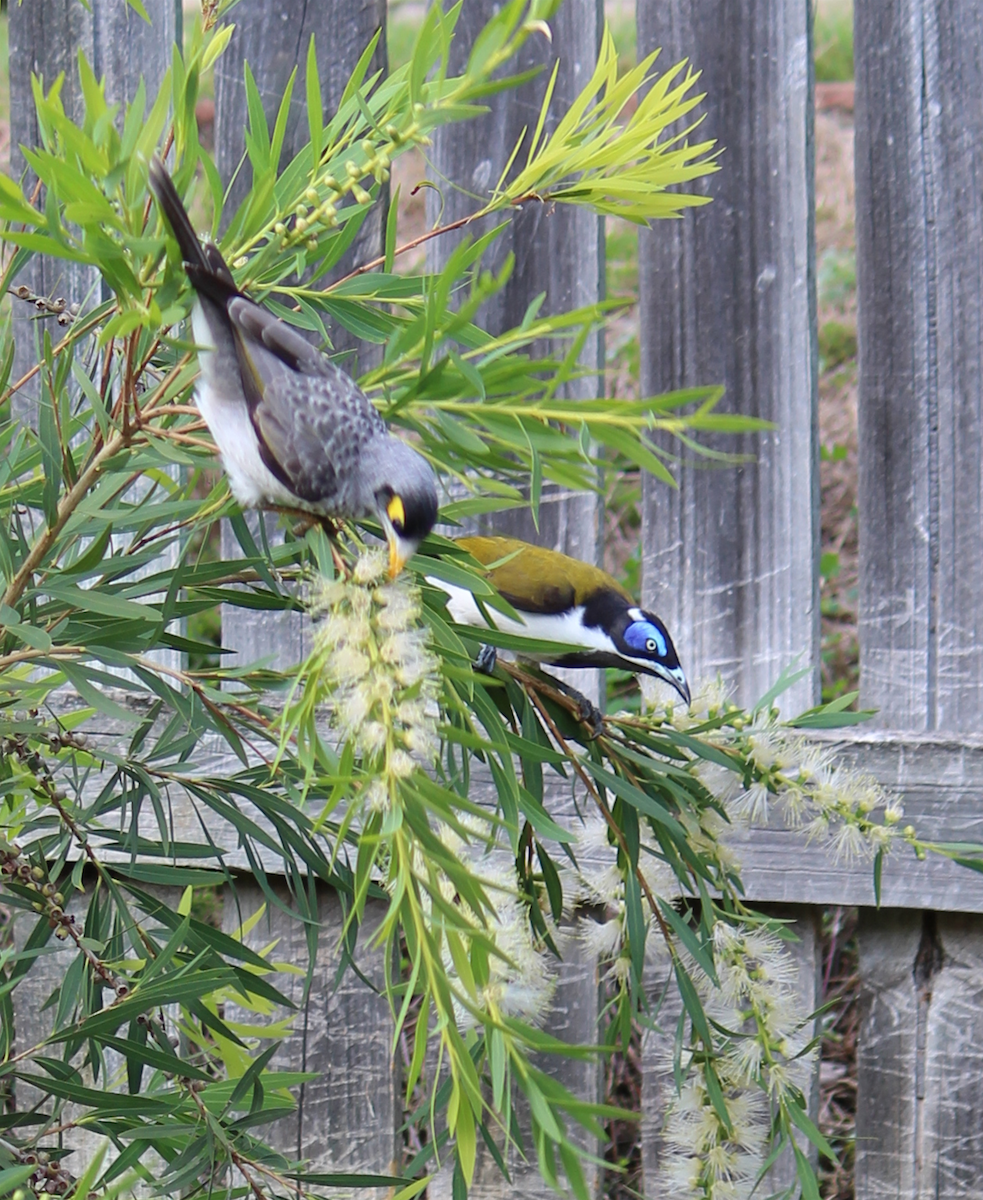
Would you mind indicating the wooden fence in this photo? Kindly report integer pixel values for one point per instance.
(731, 560)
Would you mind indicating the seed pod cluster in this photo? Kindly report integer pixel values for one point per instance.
(312, 214)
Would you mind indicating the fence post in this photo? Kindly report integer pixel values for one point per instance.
(728, 296)
(919, 221)
(558, 251)
(46, 38)
(347, 1117)
(272, 36)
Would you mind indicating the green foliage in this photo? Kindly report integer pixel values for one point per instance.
(833, 41)
(837, 344)
(105, 506)
(837, 276)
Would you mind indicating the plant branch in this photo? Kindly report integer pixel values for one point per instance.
(68, 505)
(605, 811)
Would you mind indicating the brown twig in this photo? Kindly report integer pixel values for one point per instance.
(460, 223)
(244, 1166)
(68, 505)
(605, 811)
(76, 332)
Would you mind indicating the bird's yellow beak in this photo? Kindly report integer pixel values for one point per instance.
(396, 559)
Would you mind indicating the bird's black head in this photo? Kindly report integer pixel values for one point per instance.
(407, 507)
(643, 640)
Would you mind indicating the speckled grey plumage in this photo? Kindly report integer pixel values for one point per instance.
(292, 429)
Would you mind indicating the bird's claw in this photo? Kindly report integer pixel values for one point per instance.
(589, 714)
(486, 660)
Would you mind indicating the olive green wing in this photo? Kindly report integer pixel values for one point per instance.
(534, 579)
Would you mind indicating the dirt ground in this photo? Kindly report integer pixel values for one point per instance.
(836, 276)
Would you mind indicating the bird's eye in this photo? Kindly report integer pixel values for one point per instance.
(396, 513)
(650, 646)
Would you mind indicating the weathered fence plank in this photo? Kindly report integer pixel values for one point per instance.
(920, 1067)
(919, 155)
(950, 1150)
(921, 558)
(346, 1119)
(728, 296)
(46, 38)
(272, 36)
(558, 251)
(886, 1054)
(573, 1017)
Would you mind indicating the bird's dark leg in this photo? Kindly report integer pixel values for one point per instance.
(587, 711)
(486, 660)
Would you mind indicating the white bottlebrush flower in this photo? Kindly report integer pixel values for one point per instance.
(377, 796)
(709, 698)
(381, 671)
(620, 970)
(370, 567)
(763, 746)
(602, 939)
(349, 663)
(722, 783)
(603, 885)
(752, 804)
(848, 843)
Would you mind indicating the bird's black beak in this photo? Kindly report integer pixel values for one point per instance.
(675, 677)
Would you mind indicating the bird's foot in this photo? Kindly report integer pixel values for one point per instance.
(587, 711)
(486, 660)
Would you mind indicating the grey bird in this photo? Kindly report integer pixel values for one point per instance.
(293, 430)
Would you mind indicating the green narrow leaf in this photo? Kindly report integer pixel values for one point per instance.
(315, 106)
(806, 1175)
(391, 229)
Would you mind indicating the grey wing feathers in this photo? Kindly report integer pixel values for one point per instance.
(315, 428)
(258, 325)
(310, 417)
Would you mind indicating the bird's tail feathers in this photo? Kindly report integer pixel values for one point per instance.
(207, 269)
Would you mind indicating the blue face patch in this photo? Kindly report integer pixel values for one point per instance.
(646, 638)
